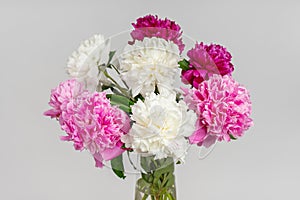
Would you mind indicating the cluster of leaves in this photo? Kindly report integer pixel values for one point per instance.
(158, 179)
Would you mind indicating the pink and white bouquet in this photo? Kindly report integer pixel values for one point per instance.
(127, 100)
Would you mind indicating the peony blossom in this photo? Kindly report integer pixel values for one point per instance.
(160, 127)
(206, 60)
(64, 102)
(89, 120)
(84, 62)
(151, 26)
(101, 126)
(62, 97)
(148, 64)
(223, 108)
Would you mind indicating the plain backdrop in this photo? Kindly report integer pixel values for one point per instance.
(36, 38)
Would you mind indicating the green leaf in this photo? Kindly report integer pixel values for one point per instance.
(170, 180)
(125, 108)
(122, 102)
(169, 168)
(147, 177)
(184, 64)
(118, 99)
(146, 162)
(158, 183)
(143, 185)
(111, 55)
(231, 137)
(117, 166)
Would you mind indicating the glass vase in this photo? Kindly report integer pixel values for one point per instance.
(156, 180)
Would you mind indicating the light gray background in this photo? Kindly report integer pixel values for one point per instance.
(38, 36)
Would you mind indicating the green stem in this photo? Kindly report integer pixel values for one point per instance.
(122, 90)
(113, 66)
(116, 69)
(108, 76)
(169, 196)
(145, 196)
(134, 167)
(164, 179)
(155, 163)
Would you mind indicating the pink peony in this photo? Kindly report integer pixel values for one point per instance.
(89, 120)
(152, 26)
(100, 127)
(223, 108)
(62, 97)
(64, 100)
(206, 60)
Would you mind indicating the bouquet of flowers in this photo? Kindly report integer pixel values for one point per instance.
(120, 102)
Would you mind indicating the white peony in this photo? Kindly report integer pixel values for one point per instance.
(160, 127)
(149, 63)
(83, 63)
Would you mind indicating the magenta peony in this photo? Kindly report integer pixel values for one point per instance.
(223, 108)
(89, 120)
(206, 60)
(152, 26)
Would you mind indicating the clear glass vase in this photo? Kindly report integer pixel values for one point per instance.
(156, 180)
